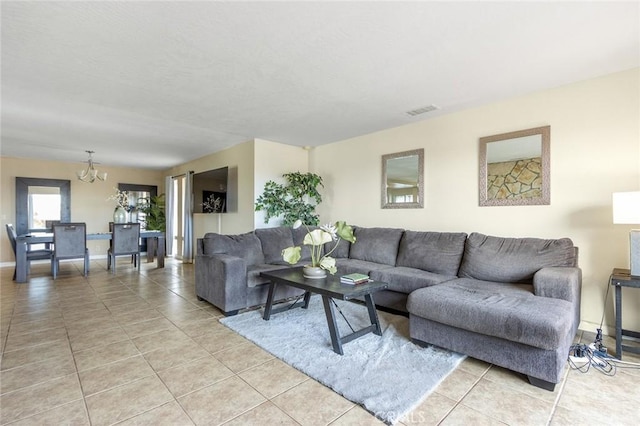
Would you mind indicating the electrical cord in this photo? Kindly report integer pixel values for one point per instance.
(590, 358)
(582, 357)
(606, 296)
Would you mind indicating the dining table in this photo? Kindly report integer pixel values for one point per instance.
(25, 240)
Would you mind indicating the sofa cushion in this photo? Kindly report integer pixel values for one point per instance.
(405, 280)
(342, 250)
(438, 252)
(506, 311)
(298, 239)
(246, 246)
(274, 240)
(512, 259)
(350, 266)
(378, 245)
(253, 273)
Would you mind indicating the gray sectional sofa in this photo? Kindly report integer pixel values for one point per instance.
(513, 302)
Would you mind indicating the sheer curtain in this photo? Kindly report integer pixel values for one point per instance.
(169, 213)
(187, 246)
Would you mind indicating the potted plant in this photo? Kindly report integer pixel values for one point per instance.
(320, 263)
(295, 200)
(154, 217)
(153, 209)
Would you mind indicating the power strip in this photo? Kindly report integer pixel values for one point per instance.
(598, 350)
(579, 361)
(583, 361)
(583, 356)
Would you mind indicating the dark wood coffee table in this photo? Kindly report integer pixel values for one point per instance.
(329, 288)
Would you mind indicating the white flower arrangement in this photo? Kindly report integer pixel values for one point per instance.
(121, 198)
(213, 204)
(317, 239)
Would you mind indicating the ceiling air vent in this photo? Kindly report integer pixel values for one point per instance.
(422, 110)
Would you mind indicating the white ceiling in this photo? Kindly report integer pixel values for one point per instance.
(156, 84)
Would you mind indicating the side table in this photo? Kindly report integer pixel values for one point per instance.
(623, 278)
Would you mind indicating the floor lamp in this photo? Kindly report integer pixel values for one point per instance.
(626, 210)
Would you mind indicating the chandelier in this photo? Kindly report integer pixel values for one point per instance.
(91, 174)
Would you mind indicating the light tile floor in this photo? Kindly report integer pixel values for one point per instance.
(139, 348)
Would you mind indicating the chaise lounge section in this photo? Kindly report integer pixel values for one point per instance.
(515, 304)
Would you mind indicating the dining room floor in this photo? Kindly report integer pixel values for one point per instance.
(138, 348)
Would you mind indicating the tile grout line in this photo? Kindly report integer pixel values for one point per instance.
(459, 402)
(75, 365)
(564, 383)
(156, 373)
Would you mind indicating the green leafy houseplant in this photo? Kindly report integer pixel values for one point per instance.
(293, 200)
(317, 239)
(153, 209)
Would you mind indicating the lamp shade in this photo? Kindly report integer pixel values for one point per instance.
(626, 207)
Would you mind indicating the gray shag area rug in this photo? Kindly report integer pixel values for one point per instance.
(388, 375)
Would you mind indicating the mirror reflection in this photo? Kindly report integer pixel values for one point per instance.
(514, 168)
(43, 206)
(403, 179)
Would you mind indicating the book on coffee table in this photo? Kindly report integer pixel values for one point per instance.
(354, 278)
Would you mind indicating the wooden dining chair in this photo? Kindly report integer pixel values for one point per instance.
(69, 242)
(31, 254)
(125, 240)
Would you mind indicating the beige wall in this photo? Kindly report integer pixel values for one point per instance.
(88, 200)
(240, 158)
(595, 151)
(272, 160)
(256, 162)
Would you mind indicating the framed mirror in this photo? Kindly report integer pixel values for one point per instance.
(135, 193)
(39, 200)
(403, 180)
(514, 168)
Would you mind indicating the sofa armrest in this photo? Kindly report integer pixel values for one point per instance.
(221, 279)
(559, 283)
